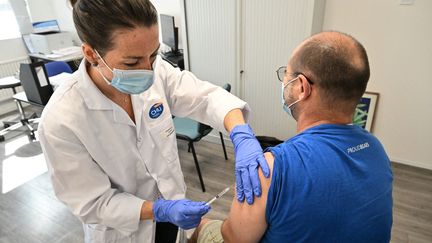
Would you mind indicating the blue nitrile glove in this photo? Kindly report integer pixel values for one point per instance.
(184, 213)
(249, 155)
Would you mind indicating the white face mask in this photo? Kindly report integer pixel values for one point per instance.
(129, 81)
(287, 108)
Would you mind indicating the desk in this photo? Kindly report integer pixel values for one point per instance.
(9, 83)
(73, 60)
(22, 97)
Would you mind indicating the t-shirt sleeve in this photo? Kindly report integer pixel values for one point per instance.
(276, 180)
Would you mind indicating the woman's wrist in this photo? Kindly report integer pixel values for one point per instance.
(146, 210)
(233, 118)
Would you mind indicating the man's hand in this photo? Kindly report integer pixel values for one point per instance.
(249, 155)
(184, 213)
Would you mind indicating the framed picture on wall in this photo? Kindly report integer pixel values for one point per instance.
(365, 110)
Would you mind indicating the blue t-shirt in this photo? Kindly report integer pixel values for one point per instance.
(331, 183)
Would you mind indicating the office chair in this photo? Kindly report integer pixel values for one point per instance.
(6, 83)
(193, 131)
(57, 67)
(52, 69)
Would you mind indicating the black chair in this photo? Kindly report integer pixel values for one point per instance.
(267, 142)
(193, 131)
(52, 69)
(10, 83)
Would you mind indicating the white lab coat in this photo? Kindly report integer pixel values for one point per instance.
(103, 166)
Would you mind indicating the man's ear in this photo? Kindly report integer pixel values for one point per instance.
(89, 54)
(305, 87)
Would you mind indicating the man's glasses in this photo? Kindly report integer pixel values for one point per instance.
(281, 72)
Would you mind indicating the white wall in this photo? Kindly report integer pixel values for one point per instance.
(212, 41)
(63, 13)
(12, 49)
(41, 10)
(22, 16)
(398, 41)
(37, 10)
(270, 33)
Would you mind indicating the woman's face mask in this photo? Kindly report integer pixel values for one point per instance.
(129, 81)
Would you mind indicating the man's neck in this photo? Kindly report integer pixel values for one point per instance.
(310, 119)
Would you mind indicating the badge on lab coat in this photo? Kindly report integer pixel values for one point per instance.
(156, 110)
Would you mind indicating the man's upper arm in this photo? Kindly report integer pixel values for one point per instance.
(247, 223)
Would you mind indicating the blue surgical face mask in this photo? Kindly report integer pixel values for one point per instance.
(287, 108)
(129, 81)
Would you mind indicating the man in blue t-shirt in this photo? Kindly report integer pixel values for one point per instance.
(332, 182)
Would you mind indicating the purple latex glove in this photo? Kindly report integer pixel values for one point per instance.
(249, 155)
(184, 213)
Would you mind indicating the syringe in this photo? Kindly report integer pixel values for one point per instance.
(218, 196)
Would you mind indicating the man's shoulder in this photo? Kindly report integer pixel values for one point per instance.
(297, 145)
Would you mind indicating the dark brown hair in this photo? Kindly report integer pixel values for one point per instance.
(96, 20)
(338, 65)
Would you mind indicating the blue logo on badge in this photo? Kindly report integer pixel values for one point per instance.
(156, 110)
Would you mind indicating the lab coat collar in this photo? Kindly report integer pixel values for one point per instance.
(92, 96)
(96, 100)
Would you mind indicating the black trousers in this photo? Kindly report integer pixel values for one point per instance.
(166, 232)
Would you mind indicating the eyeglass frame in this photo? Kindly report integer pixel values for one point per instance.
(284, 68)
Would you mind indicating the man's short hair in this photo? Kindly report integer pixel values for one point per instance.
(337, 63)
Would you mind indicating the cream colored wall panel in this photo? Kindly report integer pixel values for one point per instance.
(271, 30)
(212, 40)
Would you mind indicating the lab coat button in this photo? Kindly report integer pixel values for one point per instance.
(139, 140)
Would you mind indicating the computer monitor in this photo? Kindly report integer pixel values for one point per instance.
(169, 32)
(46, 27)
(34, 79)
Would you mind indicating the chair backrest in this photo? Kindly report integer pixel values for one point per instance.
(227, 87)
(266, 141)
(57, 67)
(206, 129)
(35, 82)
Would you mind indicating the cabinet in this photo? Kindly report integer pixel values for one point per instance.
(243, 42)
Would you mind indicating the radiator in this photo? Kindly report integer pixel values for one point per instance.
(9, 68)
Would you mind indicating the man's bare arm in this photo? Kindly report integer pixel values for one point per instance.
(247, 223)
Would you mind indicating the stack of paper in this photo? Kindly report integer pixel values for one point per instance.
(72, 50)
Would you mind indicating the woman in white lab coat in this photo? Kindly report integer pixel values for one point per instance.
(107, 132)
